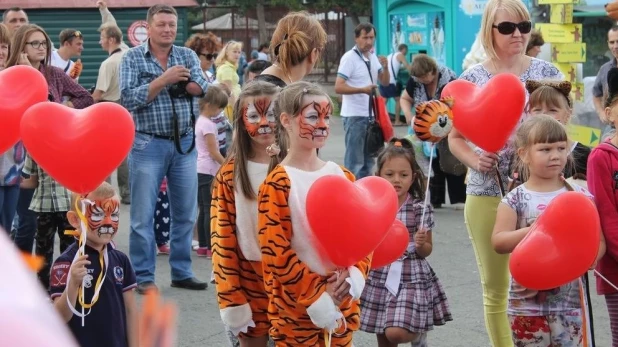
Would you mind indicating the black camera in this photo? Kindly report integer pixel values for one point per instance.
(179, 90)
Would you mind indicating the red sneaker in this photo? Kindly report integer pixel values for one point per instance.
(204, 252)
(163, 249)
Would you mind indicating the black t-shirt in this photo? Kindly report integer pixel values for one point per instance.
(271, 79)
(106, 325)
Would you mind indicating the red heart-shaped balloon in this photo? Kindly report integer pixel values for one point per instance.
(78, 148)
(21, 86)
(488, 115)
(349, 220)
(561, 245)
(392, 247)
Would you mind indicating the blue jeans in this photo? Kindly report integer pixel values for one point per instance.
(25, 226)
(150, 160)
(8, 204)
(355, 158)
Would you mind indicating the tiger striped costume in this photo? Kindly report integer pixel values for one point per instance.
(294, 273)
(236, 255)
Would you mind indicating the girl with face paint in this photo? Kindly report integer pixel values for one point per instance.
(236, 254)
(325, 305)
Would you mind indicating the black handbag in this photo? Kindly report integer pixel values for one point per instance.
(374, 138)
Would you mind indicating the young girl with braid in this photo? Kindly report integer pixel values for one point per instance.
(310, 304)
(236, 254)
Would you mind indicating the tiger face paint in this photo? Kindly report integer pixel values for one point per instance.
(314, 119)
(103, 217)
(258, 116)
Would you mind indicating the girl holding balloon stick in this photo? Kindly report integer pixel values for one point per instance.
(310, 303)
(603, 183)
(539, 317)
(404, 300)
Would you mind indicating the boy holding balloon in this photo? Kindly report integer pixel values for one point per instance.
(540, 317)
(110, 316)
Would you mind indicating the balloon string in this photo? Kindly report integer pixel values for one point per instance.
(605, 279)
(431, 150)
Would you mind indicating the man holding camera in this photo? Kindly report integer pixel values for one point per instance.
(159, 83)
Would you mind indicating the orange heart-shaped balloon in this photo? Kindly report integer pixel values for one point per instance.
(392, 247)
(78, 148)
(21, 86)
(488, 115)
(349, 220)
(561, 245)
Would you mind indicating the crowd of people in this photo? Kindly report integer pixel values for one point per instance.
(226, 158)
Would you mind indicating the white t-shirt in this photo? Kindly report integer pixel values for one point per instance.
(353, 69)
(393, 65)
(263, 56)
(57, 61)
(528, 302)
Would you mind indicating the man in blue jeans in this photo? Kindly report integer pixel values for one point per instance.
(159, 83)
(356, 83)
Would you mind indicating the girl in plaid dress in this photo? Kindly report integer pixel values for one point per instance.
(404, 300)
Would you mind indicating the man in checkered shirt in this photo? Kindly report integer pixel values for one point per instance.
(163, 145)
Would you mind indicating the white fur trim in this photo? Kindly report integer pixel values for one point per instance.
(356, 281)
(324, 314)
(303, 240)
(238, 318)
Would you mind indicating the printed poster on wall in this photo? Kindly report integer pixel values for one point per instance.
(425, 31)
(397, 32)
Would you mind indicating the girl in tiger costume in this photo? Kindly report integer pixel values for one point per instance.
(309, 303)
(236, 255)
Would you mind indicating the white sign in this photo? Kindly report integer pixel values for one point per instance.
(138, 32)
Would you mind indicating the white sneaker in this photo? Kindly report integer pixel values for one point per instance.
(195, 245)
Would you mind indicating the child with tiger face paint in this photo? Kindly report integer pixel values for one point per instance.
(236, 256)
(111, 318)
(309, 302)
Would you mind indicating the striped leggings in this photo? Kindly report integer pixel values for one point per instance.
(612, 309)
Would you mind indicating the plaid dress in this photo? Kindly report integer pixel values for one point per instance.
(421, 302)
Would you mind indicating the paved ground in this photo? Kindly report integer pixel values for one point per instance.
(453, 260)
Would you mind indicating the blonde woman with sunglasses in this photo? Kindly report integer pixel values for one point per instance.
(505, 32)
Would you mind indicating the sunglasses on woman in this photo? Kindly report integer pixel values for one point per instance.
(209, 56)
(508, 28)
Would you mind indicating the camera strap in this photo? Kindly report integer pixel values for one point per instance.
(177, 130)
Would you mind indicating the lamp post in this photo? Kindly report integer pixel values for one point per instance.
(204, 7)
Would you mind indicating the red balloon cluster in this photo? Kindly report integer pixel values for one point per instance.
(78, 148)
(350, 220)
